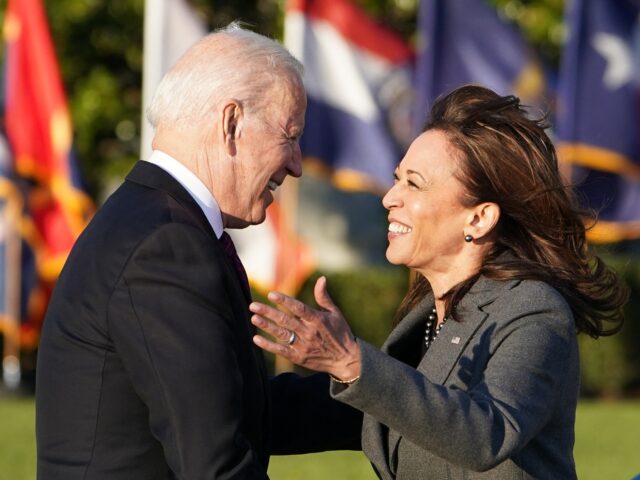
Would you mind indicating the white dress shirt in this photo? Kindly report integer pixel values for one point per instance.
(193, 185)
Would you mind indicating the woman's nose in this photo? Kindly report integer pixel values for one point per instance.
(390, 198)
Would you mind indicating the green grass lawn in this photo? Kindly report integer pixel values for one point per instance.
(17, 439)
(607, 447)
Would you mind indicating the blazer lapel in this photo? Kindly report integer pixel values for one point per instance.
(443, 355)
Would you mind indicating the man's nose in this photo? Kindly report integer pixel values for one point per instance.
(294, 168)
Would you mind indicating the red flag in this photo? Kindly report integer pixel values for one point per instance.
(294, 260)
(39, 132)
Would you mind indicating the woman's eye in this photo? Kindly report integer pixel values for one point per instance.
(411, 184)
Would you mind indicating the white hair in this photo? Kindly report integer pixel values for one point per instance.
(231, 63)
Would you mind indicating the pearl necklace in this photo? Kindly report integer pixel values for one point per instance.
(431, 333)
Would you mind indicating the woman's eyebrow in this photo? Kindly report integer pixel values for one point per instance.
(409, 172)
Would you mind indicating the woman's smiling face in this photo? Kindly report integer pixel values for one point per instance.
(426, 216)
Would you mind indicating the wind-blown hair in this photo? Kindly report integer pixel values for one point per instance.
(230, 63)
(507, 158)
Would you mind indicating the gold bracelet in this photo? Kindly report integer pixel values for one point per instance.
(345, 382)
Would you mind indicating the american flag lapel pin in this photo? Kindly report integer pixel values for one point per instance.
(455, 340)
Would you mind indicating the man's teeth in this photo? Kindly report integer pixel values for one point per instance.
(398, 228)
(273, 185)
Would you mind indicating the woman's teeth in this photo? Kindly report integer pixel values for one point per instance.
(398, 228)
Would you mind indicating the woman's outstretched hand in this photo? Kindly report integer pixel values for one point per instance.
(319, 340)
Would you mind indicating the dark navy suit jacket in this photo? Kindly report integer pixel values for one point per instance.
(146, 368)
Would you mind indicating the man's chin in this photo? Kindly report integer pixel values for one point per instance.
(255, 217)
(260, 219)
(261, 215)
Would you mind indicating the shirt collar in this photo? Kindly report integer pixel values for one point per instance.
(192, 184)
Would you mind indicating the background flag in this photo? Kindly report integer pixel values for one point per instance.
(170, 28)
(358, 125)
(358, 81)
(44, 206)
(39, 131)
(465, 41)
(598, 119)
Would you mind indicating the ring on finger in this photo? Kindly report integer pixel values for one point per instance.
(292, 338)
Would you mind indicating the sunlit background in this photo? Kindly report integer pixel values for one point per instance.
(76, 77)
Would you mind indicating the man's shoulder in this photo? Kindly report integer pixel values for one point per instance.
(131, 217)
(137, 209)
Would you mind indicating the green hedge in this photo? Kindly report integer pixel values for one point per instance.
(611, 365)
(369, 298)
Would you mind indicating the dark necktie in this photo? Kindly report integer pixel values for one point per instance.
(230, 250)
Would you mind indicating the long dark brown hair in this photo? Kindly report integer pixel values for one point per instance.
(507, 158)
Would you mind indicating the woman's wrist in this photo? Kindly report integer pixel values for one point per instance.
(345, 382)
(349, 372)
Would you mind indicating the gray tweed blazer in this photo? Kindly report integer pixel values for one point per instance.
(493, 398)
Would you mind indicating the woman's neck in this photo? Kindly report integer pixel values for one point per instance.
(442, 282)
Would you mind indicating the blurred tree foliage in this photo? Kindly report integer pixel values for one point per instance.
(99, 46)
(541, 22)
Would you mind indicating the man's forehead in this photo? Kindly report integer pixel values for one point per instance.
(290, 101)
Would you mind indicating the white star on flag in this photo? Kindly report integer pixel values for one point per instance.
(619, 58)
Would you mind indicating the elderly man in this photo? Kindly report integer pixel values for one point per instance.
(146, 367)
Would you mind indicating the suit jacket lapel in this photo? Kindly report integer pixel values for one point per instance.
(150, 175)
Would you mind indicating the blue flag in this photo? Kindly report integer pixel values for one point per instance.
(598, 119)
(465, 41)
(358, 82)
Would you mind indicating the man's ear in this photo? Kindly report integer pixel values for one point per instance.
(483, 220)
(232, 122)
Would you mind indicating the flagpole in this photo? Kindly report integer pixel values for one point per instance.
(170, 27)
(152, 69)
(11, 371)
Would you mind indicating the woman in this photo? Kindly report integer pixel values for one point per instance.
(481, 373)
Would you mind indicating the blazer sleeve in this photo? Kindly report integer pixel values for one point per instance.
(174, 330)
(479, 427)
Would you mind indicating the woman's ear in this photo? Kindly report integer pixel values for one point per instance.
(483, 220)
(232, 122)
